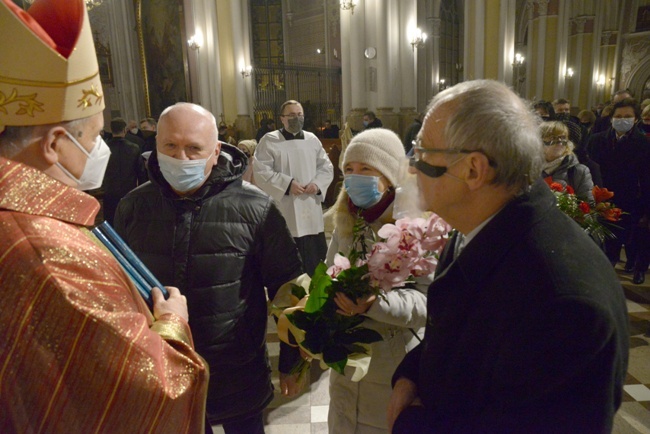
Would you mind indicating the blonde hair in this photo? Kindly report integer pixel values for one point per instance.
(646, 111)
(556, 128)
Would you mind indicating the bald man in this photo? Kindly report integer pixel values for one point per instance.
(221, 242)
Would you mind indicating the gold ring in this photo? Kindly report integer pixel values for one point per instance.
(351, 313)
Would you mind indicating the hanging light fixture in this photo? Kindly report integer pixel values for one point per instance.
(418, 38)
(348, 5)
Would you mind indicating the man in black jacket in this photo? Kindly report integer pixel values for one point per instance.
(623, 153)
(527, 324)
(221, 242)
(125, 170)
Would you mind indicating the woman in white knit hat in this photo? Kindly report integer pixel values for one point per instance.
(371, 165)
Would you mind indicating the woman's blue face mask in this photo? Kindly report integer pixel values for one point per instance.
(363, 190)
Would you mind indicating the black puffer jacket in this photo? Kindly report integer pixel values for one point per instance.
(221, 246)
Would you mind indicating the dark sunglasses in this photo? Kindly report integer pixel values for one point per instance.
(436, 171)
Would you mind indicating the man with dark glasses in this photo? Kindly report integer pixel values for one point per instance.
(527, 323)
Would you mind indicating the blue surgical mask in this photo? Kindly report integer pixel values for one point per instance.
(363, 190)
(365, 123)
(622, 125)
(182, 175)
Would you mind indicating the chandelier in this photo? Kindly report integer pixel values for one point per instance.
(348, 5)
(90, 4)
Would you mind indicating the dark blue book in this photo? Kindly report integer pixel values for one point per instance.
(140, 283)
(130, 255)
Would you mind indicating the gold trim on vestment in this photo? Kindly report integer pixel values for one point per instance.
(23, 82)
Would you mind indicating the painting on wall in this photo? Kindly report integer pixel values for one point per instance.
(163, 53)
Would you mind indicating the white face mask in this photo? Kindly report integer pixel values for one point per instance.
(93, 173)
(134, 131)
(182, 175)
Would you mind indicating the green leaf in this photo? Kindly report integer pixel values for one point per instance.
(298, 291)
(339, 366)
(320, 281)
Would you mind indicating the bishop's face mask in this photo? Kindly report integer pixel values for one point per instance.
(182, 175)
(93, 173)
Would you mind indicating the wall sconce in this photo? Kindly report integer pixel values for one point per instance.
(569, 73)
(519, 60)
(418, 39)
(441, 85)
(246, 71)
(601, 80)
(348, 5)
(195, 42)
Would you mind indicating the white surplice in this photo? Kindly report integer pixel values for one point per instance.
(278, 161)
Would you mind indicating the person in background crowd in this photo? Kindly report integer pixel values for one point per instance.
(604, 122)
(80, 350)
(645, 103)
(148, 130)
(562, 109)
(248, 148)
(125, 170)
(223, 131)
(292, 167)
(371, 166)
(561, 164)
(587, 119)
(623, 154)
(266, 126)
(133, 134)
(330, 131)
(545, 110)
(547, 344)
(644, 125)
(371, 121)
(412, 133)
(222, 242)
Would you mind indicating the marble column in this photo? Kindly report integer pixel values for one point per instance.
(408, 57)
(125, 97)
(244, 122)
(358, 66)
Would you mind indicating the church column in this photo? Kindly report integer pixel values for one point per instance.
(386, 50)
(346, 66)
(205, 68)
(242, 62)
(408, 57)
(358, 65)
(474, 54)
(506, 50)
(562, 50)
(126, 94)
(581, 43)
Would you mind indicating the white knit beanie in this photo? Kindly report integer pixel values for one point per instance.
(379, 148)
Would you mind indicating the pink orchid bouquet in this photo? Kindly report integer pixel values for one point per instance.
(406, 250)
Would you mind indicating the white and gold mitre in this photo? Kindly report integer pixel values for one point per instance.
(48, 65)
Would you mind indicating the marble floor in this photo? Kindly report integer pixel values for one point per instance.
(307, 413)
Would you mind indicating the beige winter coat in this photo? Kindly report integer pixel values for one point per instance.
(361, 407)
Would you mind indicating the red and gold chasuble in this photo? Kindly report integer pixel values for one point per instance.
(80, 351)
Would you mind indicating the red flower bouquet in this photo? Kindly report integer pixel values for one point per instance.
(594, 218)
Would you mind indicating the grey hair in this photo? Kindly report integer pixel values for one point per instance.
(16, 138)
(489, 117)
(197, 108)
